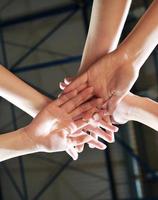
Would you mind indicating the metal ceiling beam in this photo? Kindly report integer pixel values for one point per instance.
(39, 15)
(44, 38)
(52, 179)
(49, 64)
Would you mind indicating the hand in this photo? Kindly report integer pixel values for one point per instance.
(50, 130)
(96, 123)
(111, 77)
(106, 134)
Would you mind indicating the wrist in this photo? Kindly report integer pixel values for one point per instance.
(30, 143)
(128, 57)
(135, 111)
(43, 101)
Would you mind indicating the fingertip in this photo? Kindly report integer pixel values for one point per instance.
(62, 85)
(67, 80)
(104, 147)
(116, 129)
(75, 157)
(91, 146)
(59, 95)
(96, 117)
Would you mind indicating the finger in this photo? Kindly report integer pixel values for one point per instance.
(68, 80)
(85, 138)
(62, 98)
(82, 139)
(82, 87)
(65, 97)
(107, 126)
(62, 85)
(86, 107)
(79, 124)
(76, 134)
(82, 79)
(80, 148)
(89, 114)
(97, 144)
(108, 120)
(100, 133)
(60, 94)
(104, 124)
(94, 136)
(73, 103)
(72, 152)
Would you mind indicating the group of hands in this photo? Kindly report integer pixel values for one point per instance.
(88, 108)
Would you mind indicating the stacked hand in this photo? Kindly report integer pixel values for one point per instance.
(54, 129)
(111, 77)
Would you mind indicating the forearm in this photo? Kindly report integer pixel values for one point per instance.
(15, 144)
(106, 24)
(143, 110)
(143, 39)
(21, 94)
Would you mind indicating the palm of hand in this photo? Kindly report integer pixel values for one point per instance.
(50, 128)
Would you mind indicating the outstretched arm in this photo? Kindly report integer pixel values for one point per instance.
(119, 70)
(106, 24)
(21, 94)
(140, 109)
(52, 130)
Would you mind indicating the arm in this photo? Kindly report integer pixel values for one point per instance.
(143, 39)
(21, 94)
(15, 144)
(51, 130)
(106, 24)
(140, 109)
(118, 70)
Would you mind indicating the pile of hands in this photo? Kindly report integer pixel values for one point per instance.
(89, 107)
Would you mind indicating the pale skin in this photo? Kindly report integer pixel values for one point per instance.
(119, 70)
(57, 114)
(136, 108)
(106, 24)
(51, 131)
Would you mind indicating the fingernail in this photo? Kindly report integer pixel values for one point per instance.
(91, 146)
(96, 117)
(104, 147)
(116, 129)
(75, 158)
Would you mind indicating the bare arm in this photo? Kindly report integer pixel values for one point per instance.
(21, 94)
(15, 144)
(140, 109)
(51, 130)
(118, 70)
(143, 39)
(106, 24)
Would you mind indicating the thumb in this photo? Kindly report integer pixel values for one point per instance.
(76, 83)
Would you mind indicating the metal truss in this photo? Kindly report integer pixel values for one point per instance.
(70, 10)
